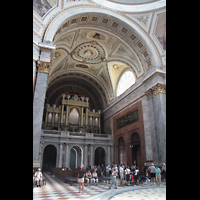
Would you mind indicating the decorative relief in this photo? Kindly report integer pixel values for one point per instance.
(159, 88)
(149, 93)
(128, 119)
(156, 89)
(43, 66)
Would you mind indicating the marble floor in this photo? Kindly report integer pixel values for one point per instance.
(55, 189)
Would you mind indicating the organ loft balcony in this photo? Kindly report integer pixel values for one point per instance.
(72, 116)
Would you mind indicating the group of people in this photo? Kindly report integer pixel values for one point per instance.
(155, 173)
(130, 175)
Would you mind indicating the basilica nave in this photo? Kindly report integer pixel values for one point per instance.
(99, 83)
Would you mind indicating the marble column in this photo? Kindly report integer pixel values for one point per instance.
(91, 155)
(108, 155)
(67, 155)
(86, 156)
(38, 108)
(67, 115)
(60, 155)
(154, 113)
(62, 113)
(86, 117)
(159, 108)
(81, 116)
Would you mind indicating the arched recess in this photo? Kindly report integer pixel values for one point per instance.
(121, 151)
(49, 157)
(61, 18)
(76, 157)
(100, 156)
(135, 149)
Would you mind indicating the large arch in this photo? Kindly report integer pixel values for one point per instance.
(61, 18)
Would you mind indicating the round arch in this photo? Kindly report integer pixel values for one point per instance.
(119, 79)
(100, 156)
(61, 18)
(49, 157)
(76, 156)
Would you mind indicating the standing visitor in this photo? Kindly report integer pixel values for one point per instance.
(121, 170)
(116, 170)
(80, 178)
(113, 179)
(164, 171)
(127, 175)
(137, 176)
(152, 173)
(158, 176)
(102, 170)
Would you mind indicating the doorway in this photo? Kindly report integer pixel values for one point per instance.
(122, 153)
(100, 156)
(135, 144)
(76, 157)
(49, 158)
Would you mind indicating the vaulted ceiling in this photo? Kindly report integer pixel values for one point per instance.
(93, 49)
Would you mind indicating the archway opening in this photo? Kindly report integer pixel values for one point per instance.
(100, 156)
(121, 150)
(76, 157)
(49, 158)
(135, 145)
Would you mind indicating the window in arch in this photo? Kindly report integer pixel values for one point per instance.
(126, 81)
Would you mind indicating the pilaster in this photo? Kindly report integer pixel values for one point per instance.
(43, 65)
(155, 122)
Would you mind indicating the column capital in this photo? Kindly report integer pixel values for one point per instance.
(155, 90)
(149, 93)
(43, 66)
(159, 88)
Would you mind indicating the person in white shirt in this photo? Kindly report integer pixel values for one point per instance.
(137, 175)
(127, 175)
(38, 177)
(121, 171)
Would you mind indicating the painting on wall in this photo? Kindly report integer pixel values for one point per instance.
(43, 6)
(160, 31)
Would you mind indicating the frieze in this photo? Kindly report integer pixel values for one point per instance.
(128, 119)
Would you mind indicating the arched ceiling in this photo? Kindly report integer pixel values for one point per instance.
(99, 47)
(94, 46)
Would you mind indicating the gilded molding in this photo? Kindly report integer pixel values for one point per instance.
(156, 89)
(149, 93)
(43, 66)
(159, 88)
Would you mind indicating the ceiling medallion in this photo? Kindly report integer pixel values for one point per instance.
(90, 52)
(83, 66)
